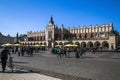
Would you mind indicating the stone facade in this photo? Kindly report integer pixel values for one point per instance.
(86, 36)
(6, 39)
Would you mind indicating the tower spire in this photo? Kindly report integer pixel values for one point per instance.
(111, 23)
(51, 20)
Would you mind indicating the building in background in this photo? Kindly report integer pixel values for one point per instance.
(87, 36)
(6, 39)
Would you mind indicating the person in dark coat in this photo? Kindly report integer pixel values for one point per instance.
(82, 52)
(64, 52)
(4, 56)
(59, 53)
(77, 53)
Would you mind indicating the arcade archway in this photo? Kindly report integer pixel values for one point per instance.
(105, 44)
(89, 44)
(83, 44)
(97, 44)
(77, 43)
(60, 43)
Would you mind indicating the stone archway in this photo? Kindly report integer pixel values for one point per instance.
(40, 43)
(27, 43)
(56, 43)
(97, 44)
(60, 43)
(65, 43)
(89, 44)
(31, 43)
(44, 43)
(35, 43)
(70, 42)
(77, 43)
(105, 44)
(83, 44)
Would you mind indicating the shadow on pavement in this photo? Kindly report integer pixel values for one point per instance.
(15, 72)
(88, 57)
(21, 62)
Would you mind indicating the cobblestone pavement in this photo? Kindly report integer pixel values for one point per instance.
(23, 75)
(99, 66)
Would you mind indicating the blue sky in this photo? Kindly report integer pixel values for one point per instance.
(33, 15)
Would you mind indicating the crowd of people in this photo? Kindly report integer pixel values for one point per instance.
(61, 52)
(65, 52)
(21, 51)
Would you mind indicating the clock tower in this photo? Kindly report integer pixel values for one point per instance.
(50, 30)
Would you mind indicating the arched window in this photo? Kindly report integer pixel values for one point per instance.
(83, 44)
(105, 44)
(89, 44)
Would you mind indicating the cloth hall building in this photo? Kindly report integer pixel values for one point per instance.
(87, 36)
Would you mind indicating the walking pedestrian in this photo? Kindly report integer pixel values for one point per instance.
(22, 51)
(77, 53)
(59, 53)
(31, 51)
(4, 56)
(81, 52)
(94, 50)
(64, 52)
(19, 51)
(68, 52)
